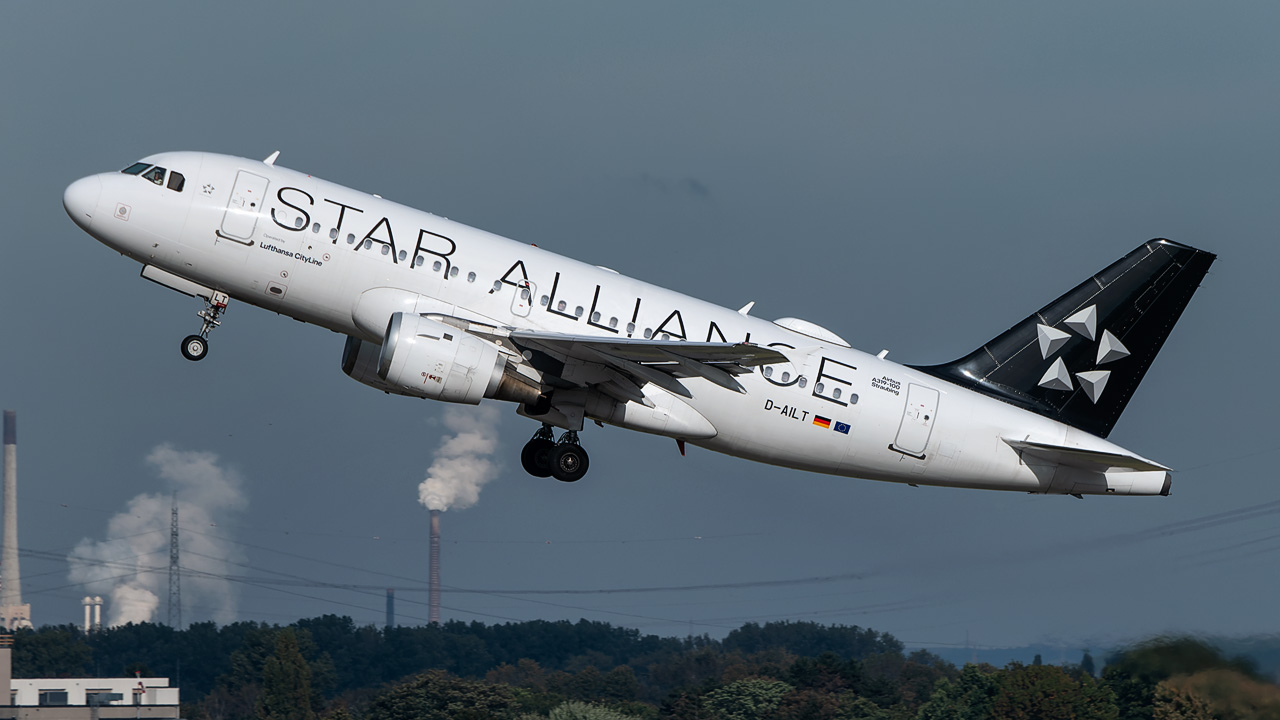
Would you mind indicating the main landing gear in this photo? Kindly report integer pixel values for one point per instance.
(195, 347)
(544, 456)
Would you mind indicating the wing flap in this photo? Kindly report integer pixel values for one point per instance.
(652, 351)
(662, 363)
(634, 369)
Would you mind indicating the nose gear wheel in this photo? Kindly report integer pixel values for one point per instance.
(194, 347)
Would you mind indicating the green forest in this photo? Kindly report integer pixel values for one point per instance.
(328, 667)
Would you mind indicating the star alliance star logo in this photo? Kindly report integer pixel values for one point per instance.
(208, 189)
(1083, 323)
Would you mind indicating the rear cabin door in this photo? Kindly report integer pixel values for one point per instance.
(918, 418)
(245, 206)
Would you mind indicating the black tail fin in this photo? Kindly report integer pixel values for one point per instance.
(1079, 359)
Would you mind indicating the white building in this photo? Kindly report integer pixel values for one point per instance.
(81, 698)
(103, 691)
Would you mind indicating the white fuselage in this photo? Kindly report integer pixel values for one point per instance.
(345, 260)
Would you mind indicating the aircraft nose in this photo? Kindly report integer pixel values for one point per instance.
(81, 200)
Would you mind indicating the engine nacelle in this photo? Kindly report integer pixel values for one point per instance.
(430, 359)
(360, 363)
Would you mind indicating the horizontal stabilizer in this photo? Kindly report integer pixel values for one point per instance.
(1081, 457)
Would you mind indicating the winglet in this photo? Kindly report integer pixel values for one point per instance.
(271, 159)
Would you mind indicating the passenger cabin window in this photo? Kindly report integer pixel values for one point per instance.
(176, 181)
(136, 168)
(155, 175)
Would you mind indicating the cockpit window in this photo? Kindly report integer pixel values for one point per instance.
(136, 168)
(155, 175)
(176, 181)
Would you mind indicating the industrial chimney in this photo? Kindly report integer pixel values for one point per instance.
(97, 613)
(16, 614)
(87, 602)
(391, 608)
(433, 578)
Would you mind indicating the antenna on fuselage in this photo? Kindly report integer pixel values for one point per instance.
(271, 159)
(745, 309)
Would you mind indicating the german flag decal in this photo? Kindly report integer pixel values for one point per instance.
(821, 421)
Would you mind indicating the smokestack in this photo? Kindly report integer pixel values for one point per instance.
(97, 613)
(6, 669)
(391, 608)
(87, 602)
(11, 588)
(433, 581)
(16, 614)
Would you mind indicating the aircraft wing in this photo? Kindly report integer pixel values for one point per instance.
(1082, 458)
(662, 363)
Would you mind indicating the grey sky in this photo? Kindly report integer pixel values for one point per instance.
(916, 177)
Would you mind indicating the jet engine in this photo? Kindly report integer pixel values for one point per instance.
(433, 360)
(425, 358)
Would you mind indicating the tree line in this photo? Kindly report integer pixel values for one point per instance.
(328, 667)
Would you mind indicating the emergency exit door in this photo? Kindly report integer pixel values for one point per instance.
(918, 416)
(243, 209)
(522, 301)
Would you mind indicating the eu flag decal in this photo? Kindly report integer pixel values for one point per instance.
(842, 427)
(821, 421)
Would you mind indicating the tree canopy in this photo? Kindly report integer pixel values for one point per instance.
(328, 667)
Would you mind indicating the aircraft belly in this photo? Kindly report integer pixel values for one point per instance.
(780, 429)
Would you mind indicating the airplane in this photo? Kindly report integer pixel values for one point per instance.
(432, 308)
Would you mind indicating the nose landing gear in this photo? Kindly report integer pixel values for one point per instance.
(565, 460)
(195, 347)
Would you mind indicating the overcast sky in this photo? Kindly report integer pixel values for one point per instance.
(914, 176)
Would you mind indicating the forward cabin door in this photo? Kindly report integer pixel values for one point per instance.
(248, 197)
(918, 418)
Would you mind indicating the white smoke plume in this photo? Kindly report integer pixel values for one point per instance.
(131, 566)
(463, 464)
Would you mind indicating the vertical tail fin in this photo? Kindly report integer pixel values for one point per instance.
(1080, 358)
